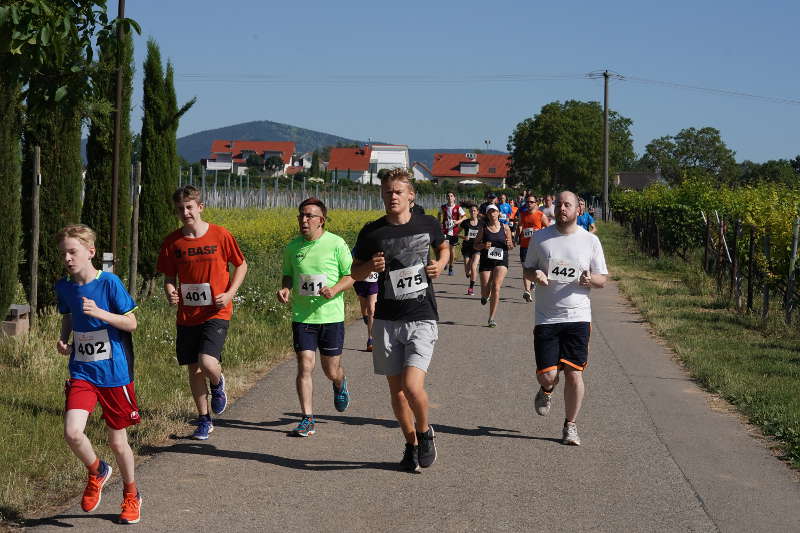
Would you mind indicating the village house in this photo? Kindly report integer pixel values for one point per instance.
(421, 171)
(471, 169)
(232, 155)
(363, 163)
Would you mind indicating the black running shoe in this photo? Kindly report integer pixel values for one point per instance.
(410, 463)
(427, 448)
(484, 300)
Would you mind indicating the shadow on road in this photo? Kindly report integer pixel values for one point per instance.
(56, 520)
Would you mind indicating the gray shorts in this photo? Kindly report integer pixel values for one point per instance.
(402, 344)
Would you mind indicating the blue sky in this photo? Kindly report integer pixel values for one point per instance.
(416, 72)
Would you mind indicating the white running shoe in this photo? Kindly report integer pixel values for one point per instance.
(570, 434)
(542, 402)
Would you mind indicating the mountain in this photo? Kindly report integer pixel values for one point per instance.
(197, 145)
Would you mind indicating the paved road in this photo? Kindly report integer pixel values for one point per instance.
(655, 455)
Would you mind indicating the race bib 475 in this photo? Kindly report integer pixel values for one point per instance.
(408, 280)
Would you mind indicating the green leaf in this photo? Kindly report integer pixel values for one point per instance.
(44, 36)
(3, 15)
(61, 92)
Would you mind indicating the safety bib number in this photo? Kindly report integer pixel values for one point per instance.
(449, 224)
(496, 253)
(311, 284)
(196, 294)
(91, 345)
(473, 233)
(562, 270)
(527, 232)
(408, 280)
(372, 278)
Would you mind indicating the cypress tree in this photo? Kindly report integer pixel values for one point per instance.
(159, 160)
(96, 211)
(57, 130)
(10, 172)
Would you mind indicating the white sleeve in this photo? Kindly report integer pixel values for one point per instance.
(532, 259)
(598, 263)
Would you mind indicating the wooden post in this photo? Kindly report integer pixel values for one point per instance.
(751, 253)
(133, 268)
(765, 283)
(734, 290)
(707, 242)
(789, 301)
(37, 183)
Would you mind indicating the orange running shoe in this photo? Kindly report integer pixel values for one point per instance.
(93, 492)
(131, 508)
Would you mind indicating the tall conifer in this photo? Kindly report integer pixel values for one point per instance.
(10, 185)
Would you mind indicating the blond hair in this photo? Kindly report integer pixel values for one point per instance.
(398, 174)
(81, 232)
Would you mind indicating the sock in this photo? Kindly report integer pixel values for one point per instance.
(129, 488)
(471, 284)
(549, 391)
(365, 319)
(94, 468)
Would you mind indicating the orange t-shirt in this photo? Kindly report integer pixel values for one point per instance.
(201, 262)
(530, 219)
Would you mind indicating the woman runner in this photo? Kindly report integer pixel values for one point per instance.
(469, 231)
(493, 241)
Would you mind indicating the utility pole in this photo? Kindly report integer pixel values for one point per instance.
(117, 137)
(606, 74)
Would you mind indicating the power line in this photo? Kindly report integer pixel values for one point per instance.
(725, 92)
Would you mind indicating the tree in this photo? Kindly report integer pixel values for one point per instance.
(692, 152)
(314, 171)
(159, 161)
(562, 146)
(254, 161)
(273, 163)
(773, 171)
(96, 211)
(10, 214)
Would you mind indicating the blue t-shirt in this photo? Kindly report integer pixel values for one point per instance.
(585, 221)
(101, 354)
(505, 212)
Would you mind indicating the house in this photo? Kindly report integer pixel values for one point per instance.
(421, 172)
(636, 180)
(363, 163)
(471, 168)
(303, 160)
(232, 155)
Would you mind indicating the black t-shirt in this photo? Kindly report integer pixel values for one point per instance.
(402, 296)
(466, 226)
(418, 209)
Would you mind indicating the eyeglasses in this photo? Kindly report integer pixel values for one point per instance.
(301, 216)
(531, 202)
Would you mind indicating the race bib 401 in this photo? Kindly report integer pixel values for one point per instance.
(196, 294)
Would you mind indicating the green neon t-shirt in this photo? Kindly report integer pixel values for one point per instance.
(313, 265)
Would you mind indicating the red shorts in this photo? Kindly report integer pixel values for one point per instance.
(118, 403)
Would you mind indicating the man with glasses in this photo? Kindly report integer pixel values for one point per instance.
(530, 221)
(316, 268)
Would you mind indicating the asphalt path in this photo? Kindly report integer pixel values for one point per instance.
(656, 454)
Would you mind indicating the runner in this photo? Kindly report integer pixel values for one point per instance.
(367, 292)
(450, 216)
(531, 220)
(316, 266)
(97, 310)
(585, 220)
(513, 219)
(197, 255)
(397, 246)
(566, 262)
(493, 241)
(548, 209)
(469, 230)
(505, 209)
(491, 199)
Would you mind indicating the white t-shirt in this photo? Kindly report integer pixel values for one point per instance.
(551, 214)
(563, 257)
(452, 214)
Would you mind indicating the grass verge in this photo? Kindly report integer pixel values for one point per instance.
(751, 364)
(37, 469)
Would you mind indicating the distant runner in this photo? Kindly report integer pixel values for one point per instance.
(469, 231)
(367, 292)
(493, 241)
(531, 220)
(450, 216)
(585, 220)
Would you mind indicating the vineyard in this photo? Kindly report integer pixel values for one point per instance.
(746, 236)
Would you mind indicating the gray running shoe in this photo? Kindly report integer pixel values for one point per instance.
(492, 323)
(410, 462)
(426, 448)
(542, 402)
(570, 434)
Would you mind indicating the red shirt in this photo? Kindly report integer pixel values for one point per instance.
(530, 219)
(201, 260)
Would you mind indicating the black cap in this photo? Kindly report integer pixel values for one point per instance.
(491, 195)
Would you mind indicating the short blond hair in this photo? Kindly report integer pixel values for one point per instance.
(187, 193)
(81, 232)
(398, 174)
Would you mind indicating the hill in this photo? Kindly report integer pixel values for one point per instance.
(196, 146)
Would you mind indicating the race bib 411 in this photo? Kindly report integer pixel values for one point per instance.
(311, 284)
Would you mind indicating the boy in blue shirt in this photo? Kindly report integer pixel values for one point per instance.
(98, 312)
(585, 220)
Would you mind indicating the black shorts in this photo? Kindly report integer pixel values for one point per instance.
(556, 345)
(365, 288)
(328, 338)
(206, 338)
(523, 253)
(452, 239)
(467, 250)
(487, 265)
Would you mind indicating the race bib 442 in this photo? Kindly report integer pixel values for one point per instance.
(562, 270)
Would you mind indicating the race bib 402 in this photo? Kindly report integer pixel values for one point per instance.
(91, 345)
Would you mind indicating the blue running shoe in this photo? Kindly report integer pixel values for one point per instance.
(219, 400)
(204, 427)
(341, 397)
(305, 428)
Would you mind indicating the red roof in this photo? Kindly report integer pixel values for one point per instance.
(449, 165)
(235, 148)
(350, 158)
(291, 171)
